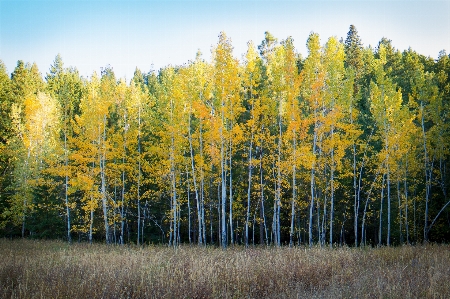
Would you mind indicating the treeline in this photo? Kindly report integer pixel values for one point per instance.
(346, 146)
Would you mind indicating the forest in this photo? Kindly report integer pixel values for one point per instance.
(346, 146)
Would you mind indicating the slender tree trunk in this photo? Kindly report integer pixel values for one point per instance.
(197, 200)
(66, 188)
(91, 225)
(263, 227)
(139, 176)
(323, 230)
(66, 165)
(414, 213)
(443, 188)
(231, 192)
(253, 229)
(332, 191)
(220, 215)
(104, 200)
(406, 202)
(26, 173)
(174, 189)
(359, 188)
(319, 231)
(122, 215)
(388, 184)
(143, 221)
(363, 228)
(388, 187)
(250, 167)
(278, 192)
(103, 183)
(115, 207)
(311, 207)
(294, 189)
(189, 204)
(400, 215)
(210, 213)
(223, 178)
(179, 224)
(381, 212)
(202, 190)
(355, 185)
(427, 176)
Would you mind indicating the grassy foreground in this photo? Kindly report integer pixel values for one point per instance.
(50, 269)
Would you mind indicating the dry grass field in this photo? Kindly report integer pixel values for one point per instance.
(51, 269)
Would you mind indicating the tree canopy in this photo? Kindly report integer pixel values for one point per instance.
(348, 145)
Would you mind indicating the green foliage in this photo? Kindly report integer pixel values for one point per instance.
(274, 148)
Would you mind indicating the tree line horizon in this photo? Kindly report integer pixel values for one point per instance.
(348, 145)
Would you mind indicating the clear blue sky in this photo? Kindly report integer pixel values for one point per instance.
(151, 34)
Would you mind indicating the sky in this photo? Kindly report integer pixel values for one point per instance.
(152, 34)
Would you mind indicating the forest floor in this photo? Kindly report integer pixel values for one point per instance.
(53, 269)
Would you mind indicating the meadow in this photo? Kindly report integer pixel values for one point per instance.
(54, 269)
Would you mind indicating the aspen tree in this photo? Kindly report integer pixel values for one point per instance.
(426, 99)
(312, 77)
(251, 79)
(386, 105)
(337, 98)
(201, 95)
(36, 140)
(227, 99)
(66, 86)
(295, 127)
(93, 146)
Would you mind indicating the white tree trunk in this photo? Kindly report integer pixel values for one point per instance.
(332, 191)
(249, 186)
(103, 183)
(294, 189)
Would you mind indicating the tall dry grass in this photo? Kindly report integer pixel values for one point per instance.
(49, 269)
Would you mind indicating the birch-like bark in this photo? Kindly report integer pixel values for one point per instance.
(122, 215)
(231, 191)
(139, 175)
(189, 204)
(202, 189)
(355, 186)
(381, 212)
(400, 214)
(442, 183)
(369, 193)
(194, 178)
(223, 177)
(428, 173)
(311, 207)
(261, 211)
(250, 168)
(66, 187)
(406, 201)
(294, 189)
(173, 181)
(388, 187)
(91, 224)
(332, 191)
(103, 183)
(249, 186)
(358, 189)
(278, 191)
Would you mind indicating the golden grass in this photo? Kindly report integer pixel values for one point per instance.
(50, 269)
